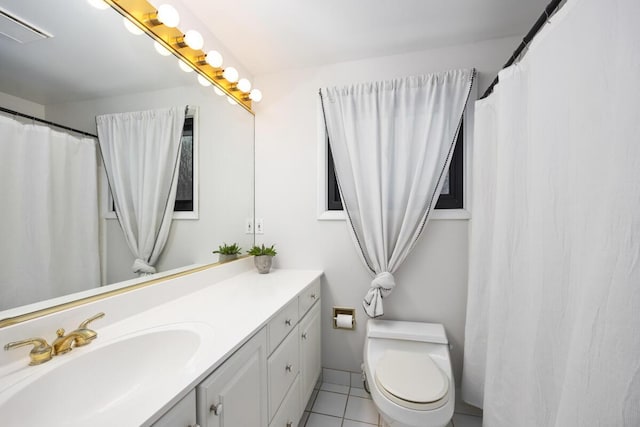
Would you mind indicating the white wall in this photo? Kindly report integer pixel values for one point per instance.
(21, 105)
(225, 169)
(432, 282)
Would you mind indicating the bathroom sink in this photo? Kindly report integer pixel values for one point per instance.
(90, 385)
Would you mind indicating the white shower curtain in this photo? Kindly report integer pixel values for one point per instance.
(141, 153)
(553, 320)
(392, 143)
(49, 217)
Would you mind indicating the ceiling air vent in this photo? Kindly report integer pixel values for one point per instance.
(18, 30)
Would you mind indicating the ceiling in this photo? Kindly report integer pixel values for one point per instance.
(92, 56)
(268, 36)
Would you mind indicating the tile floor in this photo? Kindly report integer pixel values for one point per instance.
(340, 401)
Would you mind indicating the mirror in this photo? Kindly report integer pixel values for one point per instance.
(92, 65)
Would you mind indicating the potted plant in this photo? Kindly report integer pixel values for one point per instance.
(263, 257)
(228, 252)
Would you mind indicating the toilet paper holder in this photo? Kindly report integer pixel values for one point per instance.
(346, 311)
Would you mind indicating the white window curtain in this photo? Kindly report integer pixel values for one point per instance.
(49, 228)
(392, 142)
(141, 153)
(552, 331)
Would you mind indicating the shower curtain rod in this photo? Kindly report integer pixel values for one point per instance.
(544, 18)
(26, 116)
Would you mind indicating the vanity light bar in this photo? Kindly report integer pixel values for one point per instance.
(144, 15)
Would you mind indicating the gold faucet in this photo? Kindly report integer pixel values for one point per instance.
(40, 353)
(81, 336)
(43, 352)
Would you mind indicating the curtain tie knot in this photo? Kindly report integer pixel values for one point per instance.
(385, 282)
(142, 267)
(381, 286)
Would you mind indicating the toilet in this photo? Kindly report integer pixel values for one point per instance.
(408, 373)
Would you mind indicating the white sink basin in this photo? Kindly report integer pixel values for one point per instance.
(98, 384)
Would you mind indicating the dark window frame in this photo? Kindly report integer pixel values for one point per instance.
(453, 200)
(186, 205)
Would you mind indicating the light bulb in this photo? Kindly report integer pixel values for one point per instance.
(255, 95)
(244, 85)
(231, 101)
(231, 74)
(184, 67)
(168, 16)
(98, 4)
(214, 58)
(131, 27)
(194, 39)
(218, 91)
(161, 49)
(204, 82)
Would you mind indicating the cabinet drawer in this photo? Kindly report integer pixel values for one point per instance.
(308, 297)
(283, 367)
(282, 324)
(289, 412)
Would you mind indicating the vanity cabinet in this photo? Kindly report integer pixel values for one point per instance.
(183, 413)
(299, 353)
(266, 382)
(234, 395)
(310, 352)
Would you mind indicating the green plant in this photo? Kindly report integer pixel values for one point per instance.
(225, 249)
(262, 250)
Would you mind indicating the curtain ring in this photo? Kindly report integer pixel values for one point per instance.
(522, 52)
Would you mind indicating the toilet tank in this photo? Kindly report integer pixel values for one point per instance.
(407, 331)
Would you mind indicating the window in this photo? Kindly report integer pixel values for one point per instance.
(186, 204)
(450, 196)
(184, 193)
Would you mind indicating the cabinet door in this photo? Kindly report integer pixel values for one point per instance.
(183, 414)
(310, 352)
(235, 394)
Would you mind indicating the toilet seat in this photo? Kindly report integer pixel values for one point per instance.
(411, 380)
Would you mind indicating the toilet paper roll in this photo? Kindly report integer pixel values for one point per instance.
(344, 321)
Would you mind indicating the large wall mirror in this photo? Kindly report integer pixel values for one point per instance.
(91, 66)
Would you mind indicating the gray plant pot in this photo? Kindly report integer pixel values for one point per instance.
(225, 257)
(263, 263)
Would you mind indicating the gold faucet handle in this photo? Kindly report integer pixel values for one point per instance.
(40, 353)
(87, 335)
(84, 324)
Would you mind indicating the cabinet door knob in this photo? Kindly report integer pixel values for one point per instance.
(304, 335)
(288, 367)
(216, 409)
(287, 322)
(313, 296)
(289, 423)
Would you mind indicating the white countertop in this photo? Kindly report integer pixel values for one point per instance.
(233, 309)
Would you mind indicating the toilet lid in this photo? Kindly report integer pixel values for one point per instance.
(411, 376)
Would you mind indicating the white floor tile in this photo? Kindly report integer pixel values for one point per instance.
(336, 388)
(363, 410)
(303, 420)
(319, 420)
(356, 380)
(360, 392)
(461, 420)
(334, 376)
(330, 403)
(350, 423)
(312, 399)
